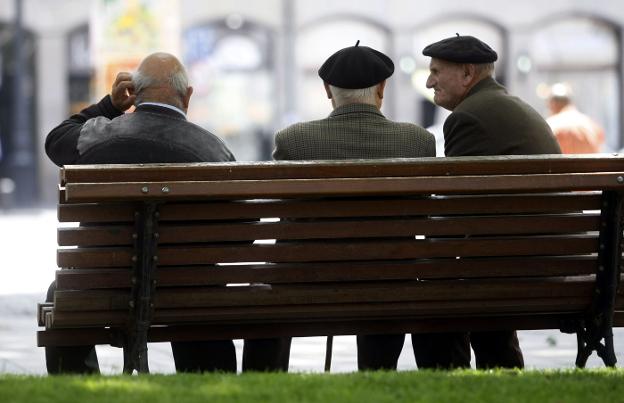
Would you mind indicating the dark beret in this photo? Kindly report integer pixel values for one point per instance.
(356, 67)
(461, 49)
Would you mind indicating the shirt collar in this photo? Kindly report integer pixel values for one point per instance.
(173, 108)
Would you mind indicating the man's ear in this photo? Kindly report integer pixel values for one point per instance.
(469, 74)
(380, 89)
(328, 90)
(187, 97)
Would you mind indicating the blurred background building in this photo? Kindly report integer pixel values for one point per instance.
(253, 63)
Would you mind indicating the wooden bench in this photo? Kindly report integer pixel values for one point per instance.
(166, 252)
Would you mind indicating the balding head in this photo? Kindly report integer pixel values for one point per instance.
(162, 78)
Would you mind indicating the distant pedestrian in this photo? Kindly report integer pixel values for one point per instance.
(576, 132)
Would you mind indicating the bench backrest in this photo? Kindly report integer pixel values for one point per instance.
(336, 247)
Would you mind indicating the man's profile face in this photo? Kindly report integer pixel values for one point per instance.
(446, 79)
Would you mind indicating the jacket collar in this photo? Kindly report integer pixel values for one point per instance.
(487, 83)
(356, 108)
(161, 109)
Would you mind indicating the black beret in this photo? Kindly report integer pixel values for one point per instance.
(461, 49)
(356, 67)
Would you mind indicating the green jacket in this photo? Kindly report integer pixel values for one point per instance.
(351, 132)
(489, 121)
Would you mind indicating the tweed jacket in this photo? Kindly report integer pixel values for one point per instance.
(350, 132)
(489, 121)
(100, 134)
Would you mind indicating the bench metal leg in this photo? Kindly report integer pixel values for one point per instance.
(141, 306)
(596, 334)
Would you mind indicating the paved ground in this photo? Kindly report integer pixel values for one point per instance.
(26, 272)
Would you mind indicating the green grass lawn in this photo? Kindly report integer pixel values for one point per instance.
(604, 386)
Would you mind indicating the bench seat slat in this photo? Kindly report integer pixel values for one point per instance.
(292, 188)
(304, 313)
(484, 165)
(335, 271)
(317, 294)
(361, 228)
(375, 207)
(379, 207)
(64, 337)
(318, 251)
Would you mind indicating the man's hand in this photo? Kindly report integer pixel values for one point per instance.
(122, 94)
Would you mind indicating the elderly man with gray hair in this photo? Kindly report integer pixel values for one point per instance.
(156, 132)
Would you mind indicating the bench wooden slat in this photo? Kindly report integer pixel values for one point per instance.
(96, 213)
(305, 313)
(317, 251)
(343, 292)
(376, 207)
(289, 188)
(335, 271)
(64, 337)
(313, 251)
(492, 165)
(361, 228)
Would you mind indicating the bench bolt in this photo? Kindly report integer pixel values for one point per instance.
(144, 189)
(620, 179)
(165, 189)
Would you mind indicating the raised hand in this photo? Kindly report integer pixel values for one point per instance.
(122, 93)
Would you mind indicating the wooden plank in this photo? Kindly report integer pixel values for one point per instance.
(94, 257)
(81, 279)
(87, 336)
(77, 279)
(291, 188)
(361, 228)
(380, 207)
(42, 309)
(315, 312)
(96, 213)
(115, 235)
(312, 251)
(112, 235)
(334, 293)
(483, 165)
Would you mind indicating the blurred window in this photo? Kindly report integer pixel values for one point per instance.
(230, 66)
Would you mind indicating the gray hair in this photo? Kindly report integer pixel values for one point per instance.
(485, 69)
(177, 80)
(344, 96)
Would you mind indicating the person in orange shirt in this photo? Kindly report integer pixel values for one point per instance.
(576, 132)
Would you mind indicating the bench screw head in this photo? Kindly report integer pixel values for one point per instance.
(134, 258)
(133, 280)
(131, 304)
(620, 179)
(165, 189)
(144, 189)
(600, 268)
(134, 236)
(156, 235)
(155, 258)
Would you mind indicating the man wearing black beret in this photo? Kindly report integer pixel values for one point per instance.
(354, 80)
(485, 120)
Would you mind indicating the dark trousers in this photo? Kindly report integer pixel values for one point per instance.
(439, 350)
(498, 349)
(194, 356)
(442, 350)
